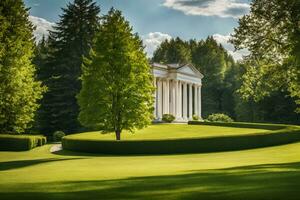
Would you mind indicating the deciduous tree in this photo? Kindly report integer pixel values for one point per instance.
(271, 31)
(19, 89)
(117, 86)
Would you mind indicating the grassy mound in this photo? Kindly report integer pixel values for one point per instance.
(20, 142)
(173, 139)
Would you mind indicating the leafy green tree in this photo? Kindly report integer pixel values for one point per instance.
(117, 89)
(19, 90)
(271, 31)
(278, 107)
(71, 39)
(173, 51)
(215, 63)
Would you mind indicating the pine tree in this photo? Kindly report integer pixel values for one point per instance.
(71, 39)
(19, 91)
(117, 89)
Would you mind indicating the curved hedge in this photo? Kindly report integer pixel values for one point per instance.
(278, 135)
(20, 142)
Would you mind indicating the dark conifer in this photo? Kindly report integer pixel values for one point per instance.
(71, 39)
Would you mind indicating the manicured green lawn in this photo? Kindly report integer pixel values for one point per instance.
(266, 173)
(166, 131)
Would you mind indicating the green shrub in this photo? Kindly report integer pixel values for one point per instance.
(168, 118)
(196, 118)
(20, 142)
(277, 135)
(219, 117)
(41, 140)
(58, 135)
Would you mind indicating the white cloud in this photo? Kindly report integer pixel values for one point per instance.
(42, 27)
(221, 8)
(153, 40)
(224, 41)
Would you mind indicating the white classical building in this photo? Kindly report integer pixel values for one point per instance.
(178, 91)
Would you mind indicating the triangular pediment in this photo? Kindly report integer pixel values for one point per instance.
(190, 70)
(187, 70)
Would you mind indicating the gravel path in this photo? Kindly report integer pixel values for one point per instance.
(55, 148)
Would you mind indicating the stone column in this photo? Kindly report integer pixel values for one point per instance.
(159, 99)
(190, 102)
(196, 99)
(199, 102)
(179, 104)
(155, 92)
(164, 84)
(168, 97)
(173, 98)
(176, 99)
(184, 114)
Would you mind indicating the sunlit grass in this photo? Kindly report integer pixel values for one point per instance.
(265, 173)
(167, 131)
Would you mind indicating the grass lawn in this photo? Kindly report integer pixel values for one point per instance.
(166, 131)
(265, 173)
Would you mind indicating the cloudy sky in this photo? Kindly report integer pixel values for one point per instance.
(157, 20)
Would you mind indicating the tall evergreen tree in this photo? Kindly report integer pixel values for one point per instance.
(117, 87)
(71, 39)
(19, 90)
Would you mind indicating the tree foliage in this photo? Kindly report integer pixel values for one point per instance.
(19, 90)
(271, 31)
(278, 107)
(213, 61)
(60, 59)
(173, 51)
(117, 89)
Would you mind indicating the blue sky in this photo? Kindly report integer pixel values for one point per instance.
(156, 20)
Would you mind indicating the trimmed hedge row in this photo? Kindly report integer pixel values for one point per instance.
(243, 125)
(20, 142)
(278, 135)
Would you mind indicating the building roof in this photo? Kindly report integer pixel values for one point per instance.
(178, 68)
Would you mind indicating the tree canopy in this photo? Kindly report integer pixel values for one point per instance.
(271, 32)
(60, 59)
(117, 86)
(209, 58)
(19, 89)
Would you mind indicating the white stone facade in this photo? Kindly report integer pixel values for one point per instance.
(178, 91)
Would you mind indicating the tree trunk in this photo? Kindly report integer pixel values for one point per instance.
(118, 135)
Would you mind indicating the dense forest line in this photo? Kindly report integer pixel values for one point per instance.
(221, 85)
(41, 82)
(222, 80)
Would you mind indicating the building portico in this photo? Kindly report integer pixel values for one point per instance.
(178, 91)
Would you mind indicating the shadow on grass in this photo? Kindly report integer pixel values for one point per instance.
(273, 181)
(26, 163)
